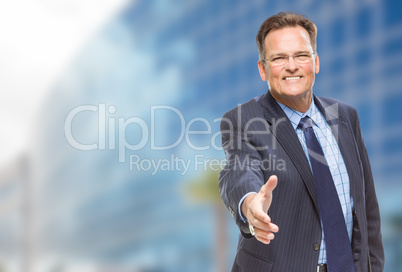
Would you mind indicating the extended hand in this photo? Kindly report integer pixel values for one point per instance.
(256, 206)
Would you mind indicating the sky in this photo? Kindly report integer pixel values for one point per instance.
(38, 40)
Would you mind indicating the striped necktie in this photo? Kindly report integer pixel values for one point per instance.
(338, 246)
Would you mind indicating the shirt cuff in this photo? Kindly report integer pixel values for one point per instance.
(241, 202)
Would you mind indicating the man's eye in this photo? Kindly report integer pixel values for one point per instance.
(302, 56)
(278, 58)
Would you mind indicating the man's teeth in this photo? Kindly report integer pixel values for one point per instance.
(289, 78)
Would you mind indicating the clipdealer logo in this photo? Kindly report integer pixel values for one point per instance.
(111, 135)
(110, 126)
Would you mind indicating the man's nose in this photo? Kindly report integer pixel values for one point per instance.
(291, 64)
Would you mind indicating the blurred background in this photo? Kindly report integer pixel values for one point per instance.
(101, 164)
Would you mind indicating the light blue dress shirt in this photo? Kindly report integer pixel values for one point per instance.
(334, 159)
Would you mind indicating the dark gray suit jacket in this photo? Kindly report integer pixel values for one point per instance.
(259, 141)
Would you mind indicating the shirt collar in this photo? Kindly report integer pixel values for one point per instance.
(295, 116)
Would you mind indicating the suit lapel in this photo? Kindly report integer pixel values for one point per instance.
(283, 131)
(346, 142)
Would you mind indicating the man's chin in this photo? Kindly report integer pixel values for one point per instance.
(297, 93)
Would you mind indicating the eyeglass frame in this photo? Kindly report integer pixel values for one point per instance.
(288, 56)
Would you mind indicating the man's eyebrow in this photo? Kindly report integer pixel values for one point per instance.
(278, 54)
(303, 52)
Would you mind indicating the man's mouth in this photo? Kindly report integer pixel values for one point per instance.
(292, 77)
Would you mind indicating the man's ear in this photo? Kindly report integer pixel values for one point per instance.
(317, 64)
(261, 69)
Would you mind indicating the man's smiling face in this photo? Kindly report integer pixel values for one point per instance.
(293, 81)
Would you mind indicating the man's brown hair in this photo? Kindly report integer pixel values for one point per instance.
(283, 20)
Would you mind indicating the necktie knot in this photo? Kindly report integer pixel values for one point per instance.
(305, 122)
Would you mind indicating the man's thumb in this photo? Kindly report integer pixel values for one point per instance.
(270, 185)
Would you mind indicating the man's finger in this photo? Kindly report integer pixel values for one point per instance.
(266, 191)
(263, 236)
(262, 221)
(263, 240)
(270, 185)
(269, 227)
(261, 224)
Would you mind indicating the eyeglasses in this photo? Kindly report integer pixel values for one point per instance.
(282, 60)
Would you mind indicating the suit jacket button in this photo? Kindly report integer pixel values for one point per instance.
(316, 246)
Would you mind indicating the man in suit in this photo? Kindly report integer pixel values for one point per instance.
(298, 180)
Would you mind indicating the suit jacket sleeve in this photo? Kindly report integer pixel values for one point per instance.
(376, 251)
(242, 173)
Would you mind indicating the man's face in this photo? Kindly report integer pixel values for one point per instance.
(292, 81)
